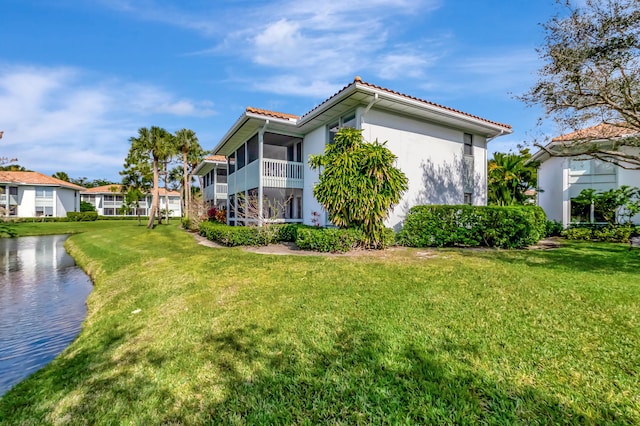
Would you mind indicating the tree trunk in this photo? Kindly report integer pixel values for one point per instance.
(155, 202)
(185, 186)
(166, 194)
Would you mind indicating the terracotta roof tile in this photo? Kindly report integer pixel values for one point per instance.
(599, 131)
(104, 189)
(358, 81)
(273, 114)
(35, 178)
(220, 158)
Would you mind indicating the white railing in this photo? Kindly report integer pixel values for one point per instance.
(282, 174)
(13, 199)
(112, 203)
(221, 189)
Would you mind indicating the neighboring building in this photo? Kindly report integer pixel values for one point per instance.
(560, 179)
(32, 194)
(442, 151)
(213, 170)
(109, 200)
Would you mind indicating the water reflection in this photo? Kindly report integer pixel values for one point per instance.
(42, 304)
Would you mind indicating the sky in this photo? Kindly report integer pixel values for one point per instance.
(78, 78)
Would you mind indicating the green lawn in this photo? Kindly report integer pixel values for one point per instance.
(406, 336)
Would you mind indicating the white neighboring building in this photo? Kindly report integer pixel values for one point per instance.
(109, 199)
(213, 171)
(442, 151)
(561, 179)
(33, 194)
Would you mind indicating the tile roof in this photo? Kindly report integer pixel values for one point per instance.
(104, 189)
(35, 178)
(220, 158)
(599, 131)
(273, 114)
(358, 81)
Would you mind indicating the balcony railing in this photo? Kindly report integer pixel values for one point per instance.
(13, 199)
(221, 190)
(282, 174)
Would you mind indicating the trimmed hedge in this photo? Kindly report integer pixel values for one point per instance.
(82, 216)
(232, 236)
(125, 218)
(329, 239)
(608, 233)
(473, 226)
(34, 219)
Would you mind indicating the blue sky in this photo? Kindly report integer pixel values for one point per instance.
(79, 77)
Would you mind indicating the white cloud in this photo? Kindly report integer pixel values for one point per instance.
(58, 118)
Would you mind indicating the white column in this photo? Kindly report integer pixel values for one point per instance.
(260, 171)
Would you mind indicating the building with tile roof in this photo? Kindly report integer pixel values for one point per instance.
(442, 150)
(564, 171)
(33, 194)
(109, 200)
(212, 171)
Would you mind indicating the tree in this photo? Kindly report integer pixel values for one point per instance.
(152, 145)
(358, 184)
(137, 179)
(192, 152)
(62, 176)
(509, 176)
(86, 206)
(592, 75)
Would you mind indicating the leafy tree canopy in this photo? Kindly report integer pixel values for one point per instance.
(358, 184)
(509, 177)
(591, 76)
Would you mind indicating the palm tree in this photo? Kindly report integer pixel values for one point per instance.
(187, 143)
(157, 145)
(136, 179)
(62, 176)
(509, 176)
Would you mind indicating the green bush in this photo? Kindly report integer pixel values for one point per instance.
(613, 234)
(87, 207)
(34, 219)
(554, 228)
(288, 232)
(473, 226)
(82, 216)
(233, 236)
(124, 218)
(329, 239)
(578, 233)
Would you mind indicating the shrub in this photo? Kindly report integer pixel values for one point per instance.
(233, 236)
(82, 216)
(329, 239)
(472, 226)
(87, 207)
(123, 217)
(578, 233)
(554, 228)
(613, 234)
(217, 215)
(288, 232)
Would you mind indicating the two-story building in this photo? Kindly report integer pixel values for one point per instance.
(213, 173)
(33, 194)
(443, 152)
(109, 200)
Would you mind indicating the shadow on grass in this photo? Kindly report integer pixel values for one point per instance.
(355, 377)
(572, 255)
(94, 386)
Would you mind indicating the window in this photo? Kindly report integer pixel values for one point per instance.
(109, 212)
(252, 149)
(13, 190)
(294, 152)
(348, 120)
(468, 144)
(231, 163)
(43, 192)
(222, 175)
(299, 152)
(44, 211)
(240, 157)
(468, 198)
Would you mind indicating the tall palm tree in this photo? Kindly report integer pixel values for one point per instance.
(509, 176)
(187, 143)
(157, 145)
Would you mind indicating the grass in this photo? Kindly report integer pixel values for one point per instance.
(452, 337)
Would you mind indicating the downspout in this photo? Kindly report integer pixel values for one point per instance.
(366, 110)
(261, 169)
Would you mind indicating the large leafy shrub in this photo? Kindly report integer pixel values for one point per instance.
(359, 184)
(233, 236)
(472, 226)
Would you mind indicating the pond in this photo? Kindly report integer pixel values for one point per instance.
(42, 304)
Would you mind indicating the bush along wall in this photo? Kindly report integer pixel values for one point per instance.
(608, 233)
(82, 216)
(473, 226)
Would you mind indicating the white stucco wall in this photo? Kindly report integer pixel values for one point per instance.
(26, 201)
(67, 200)
(552, 188)
(312, 144)
(432, 158)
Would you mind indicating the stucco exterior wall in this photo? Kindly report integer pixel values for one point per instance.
(432, 158)
(26, 201)
(67, 200)
(552, 185)
(313, 143)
